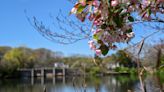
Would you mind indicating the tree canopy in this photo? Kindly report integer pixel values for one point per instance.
(112, 20)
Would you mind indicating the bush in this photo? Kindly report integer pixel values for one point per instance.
(122, 69)
(95, 70)
(160, 73)
(126, 69)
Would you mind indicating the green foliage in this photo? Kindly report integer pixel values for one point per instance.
(131, 19)
(122, 69)
(160, 74)
(133, 70)
(78, 61)
(104, 49)
(124, 58)
(94, 70)
(126, 70)
(118, 20)
(3, 50)
(80, 9)
(13, 58)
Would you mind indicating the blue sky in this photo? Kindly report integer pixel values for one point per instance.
(16, 31)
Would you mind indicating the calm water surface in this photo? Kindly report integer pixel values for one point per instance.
(78, 84)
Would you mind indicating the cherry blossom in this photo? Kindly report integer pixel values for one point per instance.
(114, 3)
(112, 19)
(98, 52)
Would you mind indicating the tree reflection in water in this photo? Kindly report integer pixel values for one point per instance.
(92, 84)
(154, 84)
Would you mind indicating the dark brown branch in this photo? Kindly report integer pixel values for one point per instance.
(144, 38)
(71, 31)
(148, 21)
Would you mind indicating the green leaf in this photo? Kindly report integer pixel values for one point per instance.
(131, 19)
(80, 9)
(149, 11)
(118, 10)
(100, 42)
(124, 14)
(96, 37)
(104, 49)
(129, 30)
(103, 26)
(118, 20)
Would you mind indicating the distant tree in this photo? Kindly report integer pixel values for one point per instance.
(3, 50)
(110, 58)
(43, 54)
(21, 57)
(47, 57)
(11, 61)
(124, 59)
(78, 61)
(154, 55)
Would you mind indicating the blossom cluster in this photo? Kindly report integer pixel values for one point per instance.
(112, 19)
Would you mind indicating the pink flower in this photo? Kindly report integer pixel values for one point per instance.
(83, 2)
(96, 22)
(146, 3)
(114, 3)
(95, 3)
(98, 52)
(91, 42)
(95, 10)
(91, 45)
(97, 31)
(73, 11)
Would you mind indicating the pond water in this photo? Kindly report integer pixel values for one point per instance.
(80, 84)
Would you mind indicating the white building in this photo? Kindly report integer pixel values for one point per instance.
(60, 65)
(113, 65)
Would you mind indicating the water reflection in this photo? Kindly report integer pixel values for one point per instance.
(154, 84)
(73, 84)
